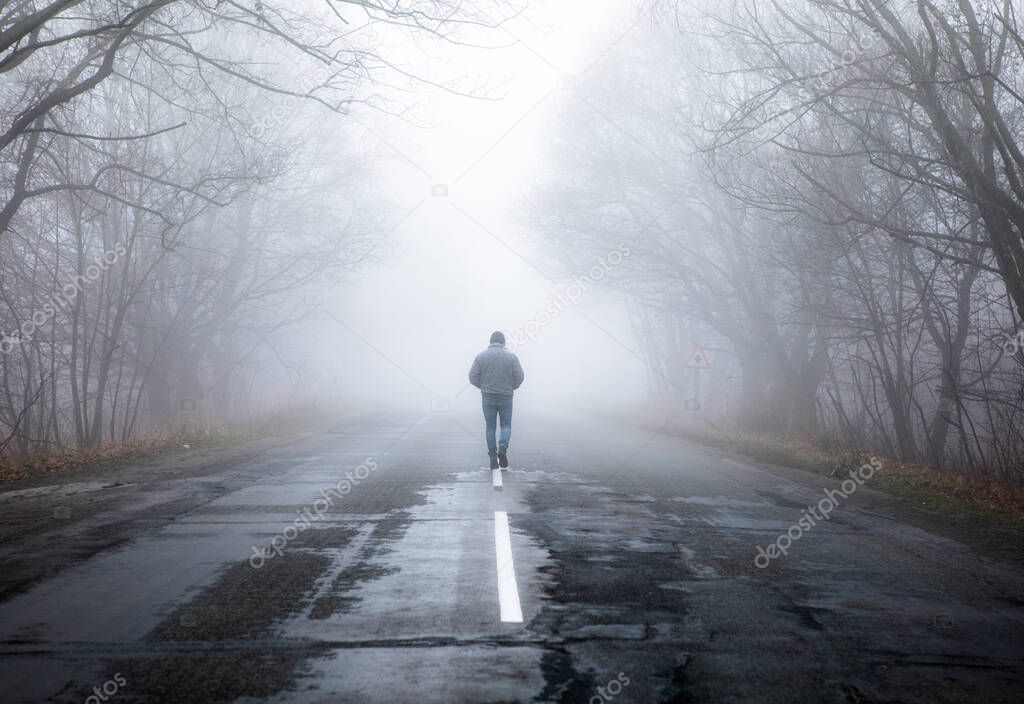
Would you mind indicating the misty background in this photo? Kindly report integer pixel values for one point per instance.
(317, 207)
(457, 256)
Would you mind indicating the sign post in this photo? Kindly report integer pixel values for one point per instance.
(698, 360)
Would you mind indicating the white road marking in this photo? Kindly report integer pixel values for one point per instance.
(508, 593)
(496, 478)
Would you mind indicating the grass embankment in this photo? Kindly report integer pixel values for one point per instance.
(70, 460)
(284, 423)
(924, 487)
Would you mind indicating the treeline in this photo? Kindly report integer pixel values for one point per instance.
(834, 193)
(169, 193)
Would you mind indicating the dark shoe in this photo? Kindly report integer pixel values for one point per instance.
(494, 463)
(503, 457)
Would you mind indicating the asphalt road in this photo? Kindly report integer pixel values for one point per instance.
(626, 573)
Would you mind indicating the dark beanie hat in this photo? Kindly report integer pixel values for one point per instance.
(498, 336)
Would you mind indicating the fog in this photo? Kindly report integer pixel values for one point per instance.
(802, 221)
(450, 266)
(511, 350)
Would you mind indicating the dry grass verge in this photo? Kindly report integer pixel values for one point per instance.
(925, 487)
(69, 460)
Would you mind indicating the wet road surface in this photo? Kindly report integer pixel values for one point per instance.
(380, 562)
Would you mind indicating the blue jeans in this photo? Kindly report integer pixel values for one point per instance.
(497, 407)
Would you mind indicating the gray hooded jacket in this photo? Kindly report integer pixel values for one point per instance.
(496, 371)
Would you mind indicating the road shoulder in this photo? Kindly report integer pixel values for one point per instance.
(994, 535)
(51, 522)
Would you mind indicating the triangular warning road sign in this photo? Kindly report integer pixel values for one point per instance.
(698, 359)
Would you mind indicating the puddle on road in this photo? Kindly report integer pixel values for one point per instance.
(339, 594)
(428, 571)
(416, 604)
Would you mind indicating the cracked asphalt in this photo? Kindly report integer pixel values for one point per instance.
(633, 558)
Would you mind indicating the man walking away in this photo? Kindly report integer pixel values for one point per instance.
(497, 373)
